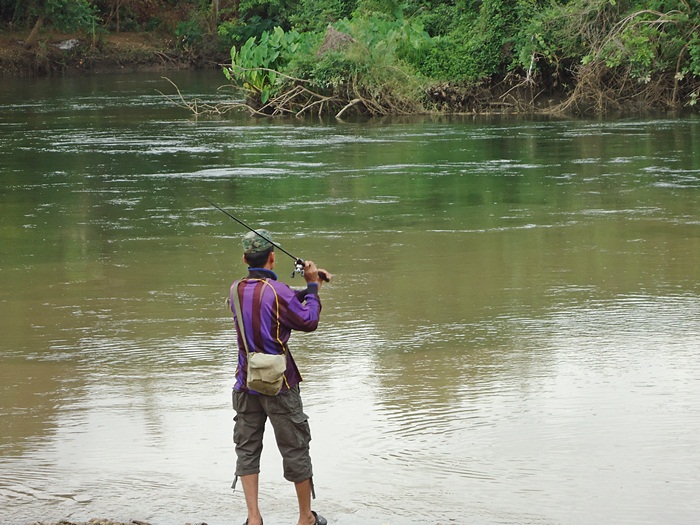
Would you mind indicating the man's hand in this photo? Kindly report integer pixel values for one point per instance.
(315, 275)
(324, 275)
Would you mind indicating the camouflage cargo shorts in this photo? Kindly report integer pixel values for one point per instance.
(291, 426)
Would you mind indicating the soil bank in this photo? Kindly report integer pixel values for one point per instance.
(60, 54)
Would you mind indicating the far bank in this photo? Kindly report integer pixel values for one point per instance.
(66, 54)
(59, 54)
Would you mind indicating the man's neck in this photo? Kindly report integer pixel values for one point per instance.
(261, 273)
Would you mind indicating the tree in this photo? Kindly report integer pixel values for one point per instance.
(66, 15)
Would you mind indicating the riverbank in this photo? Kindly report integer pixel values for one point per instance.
(61, 53)
(57, 53)
(102, 521)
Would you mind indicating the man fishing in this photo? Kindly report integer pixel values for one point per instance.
(266, 311)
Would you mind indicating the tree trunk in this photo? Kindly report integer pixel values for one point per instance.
(33, 35)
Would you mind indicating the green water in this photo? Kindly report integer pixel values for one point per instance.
(512, 334)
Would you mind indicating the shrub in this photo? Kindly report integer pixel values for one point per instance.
(256, 66)
(365, 71)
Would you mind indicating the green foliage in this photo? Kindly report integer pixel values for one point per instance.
(382, 36)
(201, 32)
(694, 52)
(373, 59)
(645, 42)
(374, 65)
(64, 15)
(554, 42)
(314, 16)
(334, 71)
(475, 47)
(444, 18)
(391, 8)
(256, 65)
(251, 24)
(70, 15)
(367, 63)
(259, 16)
(645, 38)
(190, 33)
(229, 31)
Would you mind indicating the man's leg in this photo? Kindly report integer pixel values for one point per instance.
(250, 490)
(293, 436)
(303, 489)
(248, 436)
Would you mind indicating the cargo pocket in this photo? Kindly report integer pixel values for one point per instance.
(293, 437)
(303, 430)
(237, 400)
(236, 430)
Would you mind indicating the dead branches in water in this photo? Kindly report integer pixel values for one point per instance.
(298, 97)
(600, 89)
(194, 106)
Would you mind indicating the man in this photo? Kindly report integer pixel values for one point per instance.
(269, 311)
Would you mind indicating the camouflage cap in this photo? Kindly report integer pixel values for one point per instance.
(254, 243)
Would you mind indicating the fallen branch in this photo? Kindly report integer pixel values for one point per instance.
(348, 106)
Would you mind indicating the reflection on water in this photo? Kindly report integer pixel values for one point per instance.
(512, 334)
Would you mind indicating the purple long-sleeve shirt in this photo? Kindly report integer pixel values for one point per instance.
(271, 310)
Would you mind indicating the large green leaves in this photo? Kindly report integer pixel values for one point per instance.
(256, 65)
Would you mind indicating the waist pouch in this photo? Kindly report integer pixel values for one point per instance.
(266, 372)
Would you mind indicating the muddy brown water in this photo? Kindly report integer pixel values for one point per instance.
(512, 334)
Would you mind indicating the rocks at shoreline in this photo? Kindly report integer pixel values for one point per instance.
(94, 521)
(100, 521)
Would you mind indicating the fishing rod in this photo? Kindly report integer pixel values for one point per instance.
(298, 261)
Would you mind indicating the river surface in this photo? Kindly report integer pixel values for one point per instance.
(512, 334)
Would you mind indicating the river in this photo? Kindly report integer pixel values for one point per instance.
(512, 334)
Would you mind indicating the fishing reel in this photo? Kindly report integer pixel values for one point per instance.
(298, 268)
(298, 263)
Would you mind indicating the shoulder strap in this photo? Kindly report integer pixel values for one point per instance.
(236, 302)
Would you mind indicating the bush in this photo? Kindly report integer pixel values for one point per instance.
(314, 16)
(366, 70)
(71, 15)
(443, 19)
(694, 52)
(619, 51)
(475, 48)
(256, 66)
(190, 33)
(596, 51)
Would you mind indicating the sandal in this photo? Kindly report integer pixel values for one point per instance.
(320, 520)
